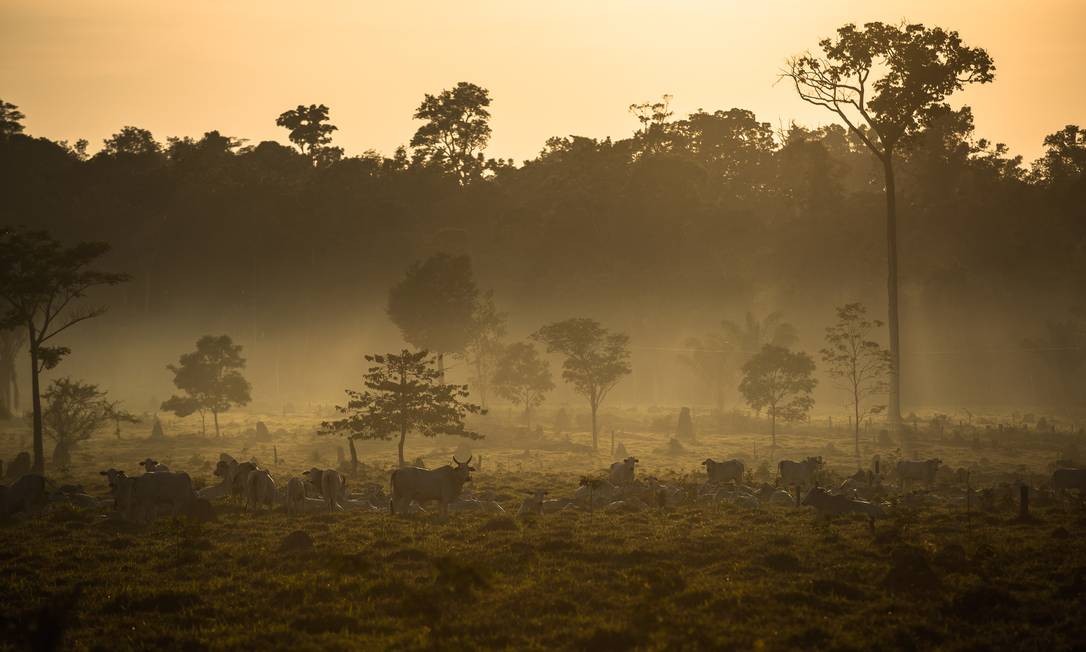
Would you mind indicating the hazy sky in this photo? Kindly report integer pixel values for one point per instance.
(82, 69)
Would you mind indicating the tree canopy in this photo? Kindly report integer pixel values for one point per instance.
(210, 378)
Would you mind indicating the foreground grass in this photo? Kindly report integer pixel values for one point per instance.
(696, 577)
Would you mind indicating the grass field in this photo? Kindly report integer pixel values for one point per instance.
(696, 576)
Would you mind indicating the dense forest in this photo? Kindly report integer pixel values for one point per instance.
(688, 221)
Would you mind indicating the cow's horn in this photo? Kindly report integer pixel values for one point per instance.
(456, 460)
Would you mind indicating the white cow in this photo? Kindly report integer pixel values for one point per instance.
(295, 495)
(533, 504)
(260, 490)
(623, 472)
(720, 472)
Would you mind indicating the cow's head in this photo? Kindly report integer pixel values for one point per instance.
(149, 464)
(814, 495)
(815, 462)
(225, 466)
(313, 476)
(630, 461)
(463, 469)
(708, 462)
(113, 475)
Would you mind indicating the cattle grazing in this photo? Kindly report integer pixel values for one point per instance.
(23, 495)
(829, 505)
(331, 485)
(295, 495)
(721, 472)
(443, 484)
(533, 504)
(260, 490)
(623, 472)
(921, 470)
(1065, 479)
(799, 473)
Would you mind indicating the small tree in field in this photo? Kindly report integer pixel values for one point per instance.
(780, 382)
(211, 380)
(73, 412)
(857, 364)
(523, 377)
(41, 285)
(596, 359)
(404, 393)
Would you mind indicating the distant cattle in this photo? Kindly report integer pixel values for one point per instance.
(443, 484)
(295, 495)
(1064, 479)
(138, 497)
(234, 474)
(720, 472)
(23, 495)
(623, 472)
(153, 466)
(799, 473)
(829, 505)
(919, 470)
(533, 504)
(331, 485)
(260, 490)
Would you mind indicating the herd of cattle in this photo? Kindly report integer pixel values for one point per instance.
(158, 490)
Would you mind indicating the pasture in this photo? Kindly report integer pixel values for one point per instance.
(701, 574)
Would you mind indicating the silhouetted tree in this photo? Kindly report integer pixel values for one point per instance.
(456, 131)
(73, 411)
(881, 81)
(311, 132)
(523, 377)
(435, 305)
(41, 284)
(595, 359)
(133, 141)
(780, 382)
(404, 393)
(11, 119)
(856, 363)
(211, 380)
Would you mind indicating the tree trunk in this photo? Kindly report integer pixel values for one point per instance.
(595, 434)
(856, 428)
(215, 415)
(39, 445)
(5, 388)
(773, 429)
(894, 407)
(403, 438)
(203, 424)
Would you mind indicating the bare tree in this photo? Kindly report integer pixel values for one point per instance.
(882, 81)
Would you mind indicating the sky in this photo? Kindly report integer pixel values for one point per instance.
(85, 68)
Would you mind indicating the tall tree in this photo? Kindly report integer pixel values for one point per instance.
(455, 132)
(485, 345)
(311, 132)
(42, 283)
(881, 81)
(780, 382)
(595, 359)
(404, 393)
(211, 380)
(523, 377)
(434, 305)
(857, 364)
(73, 412)
(132, 141)
(11, 120)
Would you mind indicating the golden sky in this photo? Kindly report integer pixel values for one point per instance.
(84, 68)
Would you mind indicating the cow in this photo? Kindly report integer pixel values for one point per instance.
(533, 504)
(234, 474)
(799, 473)
(139, 496)
(295, 495)
(260, 490)
(153, 466)
(331, 485)
(623, 472)
(443, 484)
(1064, 479)
(922, 470)
(829, 505)
(721, 472)
(24, 494)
